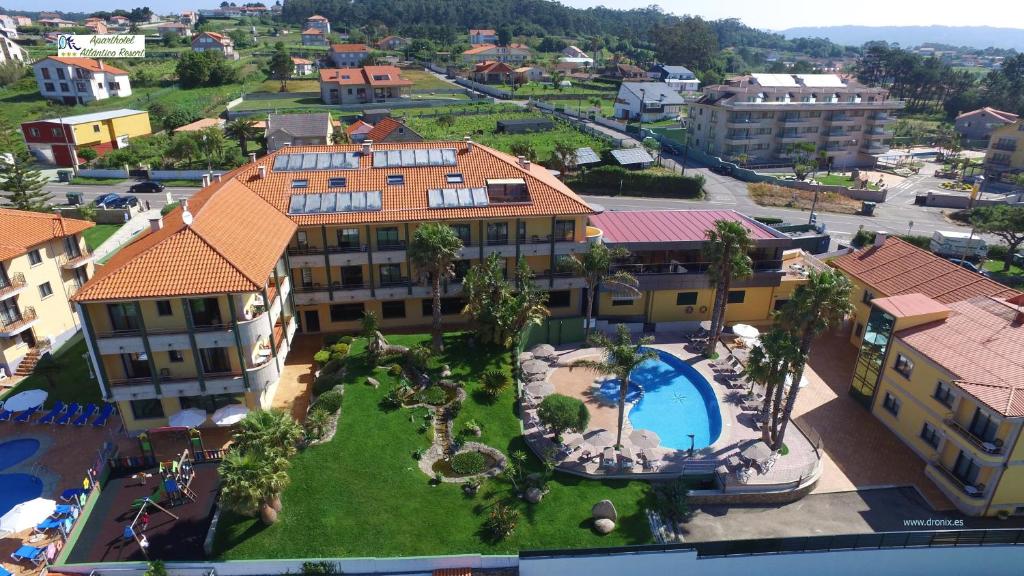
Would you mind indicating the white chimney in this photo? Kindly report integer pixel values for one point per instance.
(262, 171)
(252, 157)
(880, 237)
(206, 180)
(367, 146)
(100, 62)
(523, 162)
(217, 177)
(469, 143)
(156, 223)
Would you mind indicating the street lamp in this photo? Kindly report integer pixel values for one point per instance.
(643, 95)
(691, 445)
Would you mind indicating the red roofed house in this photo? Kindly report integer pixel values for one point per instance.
(361, 85)
(302, 66)
(173, 29)
(978, 124)
(391, 130)
(358, 130)
(349, 55)
(320, 23)
(483, 36)
(97, 26)
(313, 37)
(392, 43)
(214, 42)
(79, 80)
(514, 53)
(493, 73)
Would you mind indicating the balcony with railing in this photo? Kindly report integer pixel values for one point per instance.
(11, 287)
(1005, 145)
(992, 447)
(78, 260)
(952, 484)
(15, 322)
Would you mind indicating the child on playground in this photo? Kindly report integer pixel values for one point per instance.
(144, 521)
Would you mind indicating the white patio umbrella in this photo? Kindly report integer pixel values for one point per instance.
(25, 400)
(644, 438)
(745, 331)
(26, 515)
(229, 415)
(188, 418)
(600, 438)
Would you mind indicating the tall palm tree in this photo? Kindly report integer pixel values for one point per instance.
(726, 251)
(432, 251)
(268, 431)
(768, 365)
(820, 304)
(250, 482)
(564, 157)
(621, 357)
(595, 267)
(243, 130)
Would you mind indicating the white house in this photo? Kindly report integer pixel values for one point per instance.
(657, 100)
(320, 23)
(513, 53)
(679, 77)
(302, 66)
(79, 80)
(574, 52)
(10, 51)
(483, 36)
(213, 42)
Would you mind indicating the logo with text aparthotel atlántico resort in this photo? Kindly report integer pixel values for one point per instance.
(101, 45)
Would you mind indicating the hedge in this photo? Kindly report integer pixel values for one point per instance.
(329, 401)
(466, 463)
(865, 237)
(614, 180)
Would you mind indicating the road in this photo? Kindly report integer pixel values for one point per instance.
(90, 193)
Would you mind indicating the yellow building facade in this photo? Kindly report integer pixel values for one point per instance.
(1005, 154)
(43, 262)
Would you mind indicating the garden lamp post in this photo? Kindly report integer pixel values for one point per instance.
(691, 445)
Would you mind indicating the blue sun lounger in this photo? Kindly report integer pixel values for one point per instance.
(27, 415)
(82, 420)
(105, 414)
(5, 572)
(72, 494)
(5, 415)
(73, 409)
(63, 510)
(57, 409)
(31, 553)
(48, 524)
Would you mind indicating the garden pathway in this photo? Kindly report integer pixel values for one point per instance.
(125, 233)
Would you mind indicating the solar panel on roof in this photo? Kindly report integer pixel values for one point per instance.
(435, 199)
(323, 161)
(414, 157)
(281, 163)
(312, 204)
(294, 161)
(296, 204)
(480, 197)
(317, 161)
(373, 201)
(457, 197)
(331, 203)
(358, 201)
(628, 156)
(408, 157)
(587, 156)
(327, 204)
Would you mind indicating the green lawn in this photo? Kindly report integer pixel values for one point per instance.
(997, 266)
(540, 89)
(311, 85)
(186, 183)
(365, 490)
(423, 80)
(87, 181)
(71, 380)
(840, 180)
(97, 234)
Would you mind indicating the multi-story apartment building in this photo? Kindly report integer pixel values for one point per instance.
(59, 140)
(892, 267)
(1005, 154)
(762, 116)
(43, 262)
(361, 85)
(310, 237)
(320, 23)
(667, 258)
(946, 379)
(80, 80)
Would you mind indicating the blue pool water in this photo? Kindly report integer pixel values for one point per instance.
(14, 451)
(17, 488)
(676, 402)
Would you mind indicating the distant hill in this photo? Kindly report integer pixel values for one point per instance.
(973, 36)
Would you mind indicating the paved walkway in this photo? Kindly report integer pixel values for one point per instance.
(296, 384)
(125, 233)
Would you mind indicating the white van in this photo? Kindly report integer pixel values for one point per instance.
(954, 244)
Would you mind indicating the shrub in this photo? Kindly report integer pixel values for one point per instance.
(615, 180)
(333, 368)
(346, 340)
(88, 154)
(395, 370)
(167, 208)
(322, 357)
(393, 399)
(472, 427)
(467, 463)
(563, 413)
(672, 500)
(329, 401)
(325, 383)
(997, 252)
(769, 220)
(418, 357)
(501, 522)
(320, 568)
(340, 348)
(316, 423)
(434, 395)
(495, 382)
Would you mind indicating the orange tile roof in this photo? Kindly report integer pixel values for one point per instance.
(908, 305)
(349, 48)
(898, 267)
(366, 76)
(87, 64)
(383, 129)
(214, 255)
(481, 48)
(297, 60)
(312, 32)
(491, 66)
(358, 126)
(315, 17)
(1008, 117)
(980, 344)
(20, 231)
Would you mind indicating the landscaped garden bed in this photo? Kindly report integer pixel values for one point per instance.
(367, 492)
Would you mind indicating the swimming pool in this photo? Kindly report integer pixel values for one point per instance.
(677, 401)
(14, 451)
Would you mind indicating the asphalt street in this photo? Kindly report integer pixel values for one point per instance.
(90, 192)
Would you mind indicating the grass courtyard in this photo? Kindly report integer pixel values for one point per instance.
(364, 487)
(98, 234)
(68, 379)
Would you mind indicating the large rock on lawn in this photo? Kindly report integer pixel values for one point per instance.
(543, 351)
(604, 525)
(525, 357)
(534, 495)
(372, 382)
(604, 509)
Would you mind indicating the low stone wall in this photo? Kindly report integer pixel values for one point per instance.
(699, 497)
(103, 172)
(103, 215)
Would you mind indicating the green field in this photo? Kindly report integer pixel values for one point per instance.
(366, 491)
(539, 89)
(997, 267)
(97, 234)
(424, 81)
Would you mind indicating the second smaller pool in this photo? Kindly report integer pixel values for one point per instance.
(14, 451)
(18, 488)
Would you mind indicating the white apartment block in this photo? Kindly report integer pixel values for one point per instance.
(80, 80)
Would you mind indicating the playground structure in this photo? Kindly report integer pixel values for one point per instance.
(174, 488)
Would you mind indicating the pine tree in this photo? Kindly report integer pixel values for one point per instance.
(21, 185)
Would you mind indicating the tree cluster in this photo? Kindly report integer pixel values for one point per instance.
(196, 69)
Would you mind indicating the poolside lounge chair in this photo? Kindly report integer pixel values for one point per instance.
(72, 494)
(48, 524)
(5, 415)
(5, 572)
(63, 510)
(105, 413)
(27, 415)
(82, 420)
(33, 554)
(608, 459)
(53, 413)
(73, 409)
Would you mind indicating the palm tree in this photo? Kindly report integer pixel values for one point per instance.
(251, 482)
(621, 357)
(595, 267)
(820, 304)
(432, 251)
(268, 431)
(243, 130)
(768, 365)
(726, 252)
(564, 157)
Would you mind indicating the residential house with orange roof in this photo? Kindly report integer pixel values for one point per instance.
(392, 43)
(492, 72)
(391, 130)
(214, 42)
(302, 66)
(97, 26)
(358, 130)
(483, 36)
(320, 23)
(977, 125)
(43, 262)
(361, 85)
(892, 267)
(174, 29)
(200, 310)
(349, 55)
(313, 37)
(1005, 153)
(513, 53)
(80, 80)
(947, 378)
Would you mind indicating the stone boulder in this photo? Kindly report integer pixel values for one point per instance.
(534, 495)
(372, 382)
(525, 357)
(446, 371)
(543, 351)
(604, 510)
(604, 525)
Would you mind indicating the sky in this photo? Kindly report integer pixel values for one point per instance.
(764, 14)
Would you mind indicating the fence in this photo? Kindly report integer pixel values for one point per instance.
(103, 173)
(180, 174)
(484, 88)
(392, 104)
(582, 126)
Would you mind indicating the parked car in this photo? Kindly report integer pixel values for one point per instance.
(146, 186)
(102, 199)
(123, 202)
(1018, 259)
(969, 265)
(722, 169)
